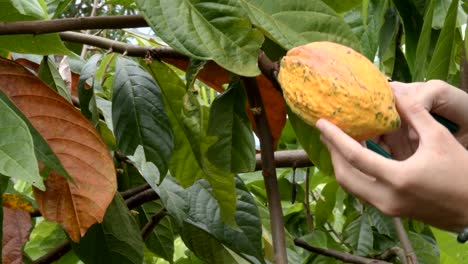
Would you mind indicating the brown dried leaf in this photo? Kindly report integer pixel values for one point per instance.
(16, 227)
(215, 76)
(75, 142)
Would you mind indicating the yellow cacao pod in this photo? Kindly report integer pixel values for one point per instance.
(332, 81)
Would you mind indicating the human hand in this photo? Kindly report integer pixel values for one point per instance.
(437, 97)
(430, 185)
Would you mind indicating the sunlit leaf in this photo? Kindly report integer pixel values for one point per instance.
(296, 22)
(44, 237)
(16, 227)
(451, 252)
(425, 248)
(17, 157)
(77, 145)
(116, 240)
(325, 206)
(207, 30)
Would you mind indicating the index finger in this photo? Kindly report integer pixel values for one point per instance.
(355, 154)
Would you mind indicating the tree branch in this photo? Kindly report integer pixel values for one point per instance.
(286, 159)
(120, 47)
(410, 256)
(55, 254)
(268, 169)
(343, 256)
(154, 221)
(67, 24)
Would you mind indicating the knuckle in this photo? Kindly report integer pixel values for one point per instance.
(391, 208)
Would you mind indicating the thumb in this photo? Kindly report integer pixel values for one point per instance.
(416, 115)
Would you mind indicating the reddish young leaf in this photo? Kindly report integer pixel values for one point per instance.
(75, 142)
(215, 76)
(16, 226)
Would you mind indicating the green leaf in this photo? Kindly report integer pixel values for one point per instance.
(368, 30)
(297, 22)
(86, 96)
(325, 206)
(341, 6)
(244, 240)
(174, 198)
(116, 240)
(41, 148)
(382, 223)
(424, 43)
(55, 8)
(205, 246)
(441, 58)
(234, 150)
(359, 235)
(451, 252)
(44, 237)
(309, 138)
(138, 114)
(189, 115)
(27, 8)
(412, 23)
(17, 157)
(161, 239)
(23, 10)
(425, 248)
(207, 30)
(183, 165)
(148, 170)
(402, 71)
(49, 74)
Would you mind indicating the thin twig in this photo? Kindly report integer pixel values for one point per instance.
(141, 198)
(391, 253)
(288, 158)
(268, 169)
(152, 223)
(343, 256)
(67, 24)
(93, 13)
(410, 256)
(134, 191)
(310, 221)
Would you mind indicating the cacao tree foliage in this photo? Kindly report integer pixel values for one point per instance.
(109, 156)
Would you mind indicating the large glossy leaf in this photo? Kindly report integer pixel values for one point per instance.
(297, 22)
(359, 235)
(19, 10)
(138, 114)
(17, 157)
(309, 138)
(342, 6)
(161, 239)
(245, 241)
(77, 145)
(191, 117)
(207, 30)
(183, 164)
(116, 240)
(424, 44)
(234, 149)
(441, 58)
(16, 226)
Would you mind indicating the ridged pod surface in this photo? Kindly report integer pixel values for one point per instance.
(332, 81)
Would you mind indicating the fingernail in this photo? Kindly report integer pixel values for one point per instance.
(319, 124)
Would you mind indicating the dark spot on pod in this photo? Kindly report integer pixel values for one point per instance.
(378, 116)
